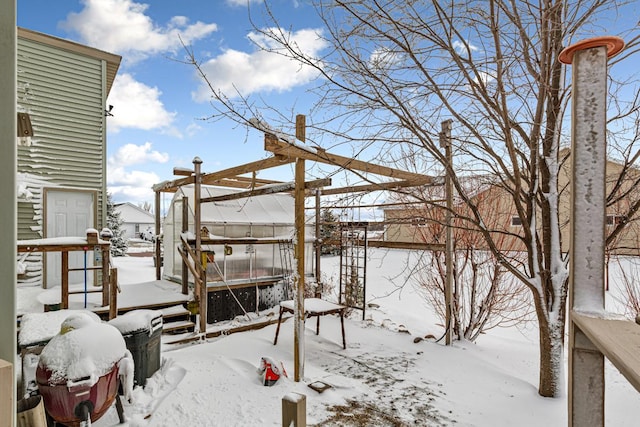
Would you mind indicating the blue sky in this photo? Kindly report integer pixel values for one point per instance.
(159, 103)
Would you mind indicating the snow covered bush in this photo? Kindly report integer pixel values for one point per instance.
(114, 223)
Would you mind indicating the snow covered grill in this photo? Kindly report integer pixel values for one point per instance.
(78, 370)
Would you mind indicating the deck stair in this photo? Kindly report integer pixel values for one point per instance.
(175, 317)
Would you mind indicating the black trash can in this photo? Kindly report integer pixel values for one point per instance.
(142, 330)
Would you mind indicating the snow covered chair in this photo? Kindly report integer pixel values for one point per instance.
(314, 307)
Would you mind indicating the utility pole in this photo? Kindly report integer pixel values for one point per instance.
(445, 142)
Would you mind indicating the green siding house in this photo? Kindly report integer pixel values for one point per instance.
(61, 181)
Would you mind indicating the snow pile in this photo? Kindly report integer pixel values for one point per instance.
(84, 348)
(41, 327)
(138, 320)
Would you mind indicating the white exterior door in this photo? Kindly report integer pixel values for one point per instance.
(69, 214)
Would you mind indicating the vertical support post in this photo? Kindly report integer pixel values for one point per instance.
(184, 229)
(301, 127)
(8, 250)
(445, 142)
(588, 215)
(298, 312)
(8, 392)
(106, 289)
(202, 295)
(65, 280)
(294, 410)
(157, 233)
(318, 244)
(113, 296)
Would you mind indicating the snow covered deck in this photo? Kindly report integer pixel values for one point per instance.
(151, 294)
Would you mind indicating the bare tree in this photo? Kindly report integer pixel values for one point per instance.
(629, 297)
(395, 69)
(485, 294)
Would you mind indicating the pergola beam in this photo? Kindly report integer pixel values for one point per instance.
(292, 151)
(367, 188)
(244, 182)
(231, 173)
(270, 189)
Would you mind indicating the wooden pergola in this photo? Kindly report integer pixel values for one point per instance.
(282, 152)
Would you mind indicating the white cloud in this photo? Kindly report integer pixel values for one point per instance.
(136, 105)
(121, 26)
(261, 71)
(462, 47)
(484, 77)
(242, 2)
(132, 154)
(383, 57)
(133, 186)
(193, 129)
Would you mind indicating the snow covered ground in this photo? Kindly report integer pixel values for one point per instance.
(383, 378)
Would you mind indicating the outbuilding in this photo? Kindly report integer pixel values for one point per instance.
(246, 247)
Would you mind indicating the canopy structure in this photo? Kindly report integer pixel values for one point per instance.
(283, 152)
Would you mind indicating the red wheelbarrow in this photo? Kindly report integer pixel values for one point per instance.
(79, 369)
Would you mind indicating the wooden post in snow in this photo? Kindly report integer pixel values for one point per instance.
(294, 410)
(184, 229)
(202, 294)
(65, 280)
(298, 306)
(318, 244)
(157, 242)
(445, 142)
(105, 253)
(113, 293)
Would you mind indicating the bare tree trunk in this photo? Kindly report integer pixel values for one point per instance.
(551, 330)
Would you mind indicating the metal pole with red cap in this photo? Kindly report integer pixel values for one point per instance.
(588, 201)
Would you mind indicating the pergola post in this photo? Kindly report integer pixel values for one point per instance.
(157, 242)
(202, 294)
(298, 313)
(184, 229)
(445, 142)
(318, 243)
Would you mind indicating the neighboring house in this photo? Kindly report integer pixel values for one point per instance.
(412, 222)
(63, 87)
(136, 222)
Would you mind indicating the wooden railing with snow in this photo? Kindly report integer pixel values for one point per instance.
(64, 245)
